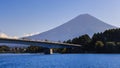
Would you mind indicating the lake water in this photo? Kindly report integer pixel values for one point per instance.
(60, 61)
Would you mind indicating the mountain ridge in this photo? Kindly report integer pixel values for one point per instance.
(82, 24)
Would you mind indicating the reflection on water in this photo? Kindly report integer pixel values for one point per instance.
(60, 61)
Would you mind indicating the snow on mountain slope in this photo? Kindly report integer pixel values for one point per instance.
(82, 24)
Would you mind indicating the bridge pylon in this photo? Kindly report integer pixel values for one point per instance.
(48, 51)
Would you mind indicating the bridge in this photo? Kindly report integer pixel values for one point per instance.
(46, 44)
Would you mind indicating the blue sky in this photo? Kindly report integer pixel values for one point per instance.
(20, 17)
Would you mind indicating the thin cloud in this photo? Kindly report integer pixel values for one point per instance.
(3, 35)
(30, 34)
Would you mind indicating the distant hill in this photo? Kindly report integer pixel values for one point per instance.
(82, 24)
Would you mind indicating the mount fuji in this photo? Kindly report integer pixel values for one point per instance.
(80, 25)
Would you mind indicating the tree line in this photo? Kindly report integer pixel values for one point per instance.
(103, 42)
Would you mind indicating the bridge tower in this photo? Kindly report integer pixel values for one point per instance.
(48, 51)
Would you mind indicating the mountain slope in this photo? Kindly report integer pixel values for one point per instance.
(82, 24)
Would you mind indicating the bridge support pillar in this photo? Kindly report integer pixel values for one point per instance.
(48, 51)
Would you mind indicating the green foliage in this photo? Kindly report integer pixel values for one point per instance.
(82, 40)
(64, 50)
(4, 48)
(100, 42)
(110, 43)
(111, 47)
(34, 49)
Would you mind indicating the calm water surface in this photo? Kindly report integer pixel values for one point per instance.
(60, 61)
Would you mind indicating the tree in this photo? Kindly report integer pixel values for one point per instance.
(34, 49)
(103, 42)
(99, 46)
(110, 47)
(82, 40)
(68, 41)
(4, 48)
(118, 47)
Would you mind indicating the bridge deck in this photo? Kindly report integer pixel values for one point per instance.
(46, 44)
